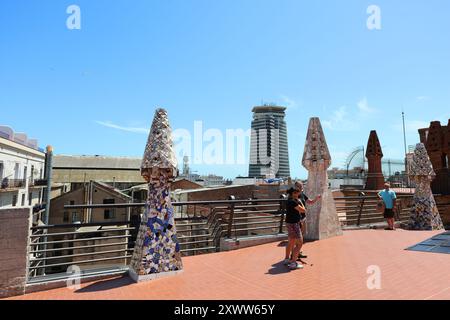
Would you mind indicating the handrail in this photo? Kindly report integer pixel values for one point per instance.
(231, 218)
(282, 211)
(372, 197)
(361, 207)
(6, 183)
(175, 204)
(82, 225)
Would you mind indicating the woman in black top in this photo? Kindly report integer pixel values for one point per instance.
(294, 210)
(303, 198)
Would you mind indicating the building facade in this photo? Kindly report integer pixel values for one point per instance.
(22, 166)
(93, 192)
(269, 154)
(119, 172)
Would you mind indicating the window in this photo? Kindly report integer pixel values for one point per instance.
(66, 217)
(16, 171)
(109, 213)
(22, 203)
(1, 171)
(14, 201)
(30, 198)
(75, 217)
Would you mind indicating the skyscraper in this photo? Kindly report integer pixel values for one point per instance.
(269, 154)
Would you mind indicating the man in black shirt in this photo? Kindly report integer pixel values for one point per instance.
(305, 201)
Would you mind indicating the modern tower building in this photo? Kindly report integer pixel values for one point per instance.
(269, 154)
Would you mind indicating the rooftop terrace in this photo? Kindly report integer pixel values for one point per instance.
(337, 269)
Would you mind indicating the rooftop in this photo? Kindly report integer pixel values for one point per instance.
(19, 138)
(22, 147)
(96, 162)
(269, 108)
(337, 269)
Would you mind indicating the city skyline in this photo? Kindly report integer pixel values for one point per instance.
(94, 90)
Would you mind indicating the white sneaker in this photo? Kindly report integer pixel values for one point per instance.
(295, 266)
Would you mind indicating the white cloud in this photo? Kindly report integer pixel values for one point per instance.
(364, 107)
(350, 119)
(109, 124)
(340, 120)
(290, 103)
(423, 98)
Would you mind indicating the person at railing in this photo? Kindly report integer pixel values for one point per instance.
(294, 211)
(305, 201)
(389, 198)
(5, 183)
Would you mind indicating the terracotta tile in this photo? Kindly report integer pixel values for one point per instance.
(337, 270)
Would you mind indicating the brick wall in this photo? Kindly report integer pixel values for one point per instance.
(443, 203)
(240, 192)
(184, 184)
(14, 234)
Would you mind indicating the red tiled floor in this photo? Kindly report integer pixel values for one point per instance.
(337, 270)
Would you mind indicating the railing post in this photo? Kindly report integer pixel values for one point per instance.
(283, 198)
(399, 209)
(361, 207)
(231, 218)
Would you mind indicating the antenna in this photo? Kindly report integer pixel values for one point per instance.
(406, 151)
(404, 131)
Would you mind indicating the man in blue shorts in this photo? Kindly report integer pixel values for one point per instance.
(389, 198)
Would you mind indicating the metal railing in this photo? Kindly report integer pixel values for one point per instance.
(12, 183)
(32, 182)
(54, 248)
(362, 210)
(200, 227)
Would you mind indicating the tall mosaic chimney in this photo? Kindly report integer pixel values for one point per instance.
(157, 251)
(322, 218)
(374, 154)
(424, 214)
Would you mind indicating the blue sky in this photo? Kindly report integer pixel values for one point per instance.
(94, 90)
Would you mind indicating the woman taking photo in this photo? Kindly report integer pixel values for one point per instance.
(294, 211)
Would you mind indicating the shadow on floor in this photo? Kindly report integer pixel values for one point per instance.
(283, 244)
(107, 285)
(278, 268)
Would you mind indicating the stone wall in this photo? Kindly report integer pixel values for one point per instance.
(14, 234)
